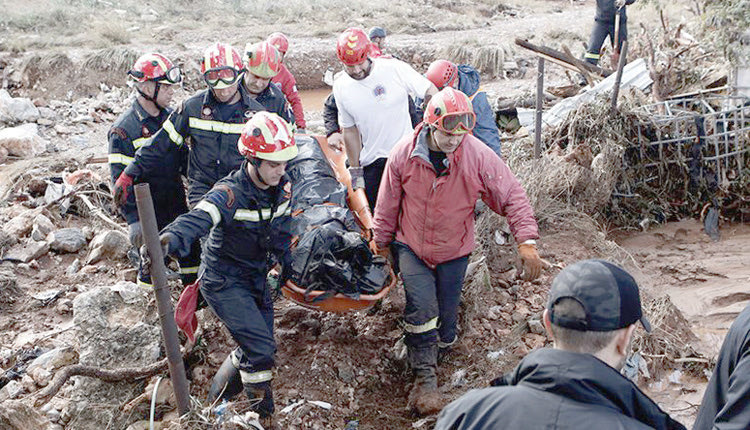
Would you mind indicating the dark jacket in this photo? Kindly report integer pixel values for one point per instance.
(556, 389)
(726, 402)
(331, 115)
(212, 139)
(486, 127)
(132, 130)
(245, 225)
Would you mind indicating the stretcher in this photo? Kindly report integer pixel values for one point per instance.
(357, 202)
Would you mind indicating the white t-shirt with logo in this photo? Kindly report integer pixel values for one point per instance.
(378, 105)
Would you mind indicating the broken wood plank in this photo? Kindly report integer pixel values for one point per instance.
(563, 59)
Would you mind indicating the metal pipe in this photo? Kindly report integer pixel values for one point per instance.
(539, 105)
(163, 297)
(618, 78)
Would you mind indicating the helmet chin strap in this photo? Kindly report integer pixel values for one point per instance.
(153, 98)
(256, 163)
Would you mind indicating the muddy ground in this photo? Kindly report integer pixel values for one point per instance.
(352, 361)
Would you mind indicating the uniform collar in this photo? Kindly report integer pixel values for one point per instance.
(210, 101)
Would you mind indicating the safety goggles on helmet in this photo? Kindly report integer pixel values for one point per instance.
(221, 77)
(457, 123)
(172, 76)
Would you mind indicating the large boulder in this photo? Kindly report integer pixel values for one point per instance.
(21, 224)
(67, 240)
(116, 328)
(17, 109)
(110, 244)
(15, 415)
(22, 141)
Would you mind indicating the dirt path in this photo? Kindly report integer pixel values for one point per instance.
(706, 280)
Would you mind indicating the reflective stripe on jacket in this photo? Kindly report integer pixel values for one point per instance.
(245, 224)
(212, 140)
(132, 130)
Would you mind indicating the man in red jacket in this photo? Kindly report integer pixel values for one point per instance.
(287, 81)
(425, 210)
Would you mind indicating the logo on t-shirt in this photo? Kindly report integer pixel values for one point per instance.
(379, 92)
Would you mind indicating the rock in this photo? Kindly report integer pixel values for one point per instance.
(11, 390)
(9, 290)
(18, 109)
(29, 252)
(110, 244)
(20, 225)
(458, 379)
(47, 113)
(41, 227)
(130, 292)
(22, 141)
(67, 240)
(6, 240)
(15, 415)
(28, 383)
(36, 187)
(111, 330)
(111, 333)
(346, 373)
(536, 327)
(64, 306)
(74, 267)
(53, 415)
(53, 359)
(41, 377)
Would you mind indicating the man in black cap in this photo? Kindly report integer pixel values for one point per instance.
(725, 402)
(591, 315)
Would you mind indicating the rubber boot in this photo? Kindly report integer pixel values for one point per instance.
(227, 382)
(424, 397)
(261, 399)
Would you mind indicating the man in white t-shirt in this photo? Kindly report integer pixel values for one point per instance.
(372, 98)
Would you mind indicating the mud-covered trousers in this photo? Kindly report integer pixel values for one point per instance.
(245, 306)
(432, 298)
(604, 28)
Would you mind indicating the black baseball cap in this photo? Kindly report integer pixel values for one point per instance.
(608, 294)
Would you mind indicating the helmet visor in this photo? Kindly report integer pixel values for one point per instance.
(458, 123)
(221, 77)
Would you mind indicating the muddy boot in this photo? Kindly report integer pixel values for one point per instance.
(227, 382)
(424, 397)
(261, 399)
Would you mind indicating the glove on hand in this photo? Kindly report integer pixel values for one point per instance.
(358, 177)
(164, 240)
(532, 264)
(135, 235)
(123, 186)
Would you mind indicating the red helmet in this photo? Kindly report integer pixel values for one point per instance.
(267, 136)
(221, 65)
(263, 59)
(442, 73)
(352, 46)
(279, 41)
(450, 111)
(155, 67)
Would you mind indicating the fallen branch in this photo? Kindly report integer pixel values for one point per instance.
(106, 375)
(99, 213)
